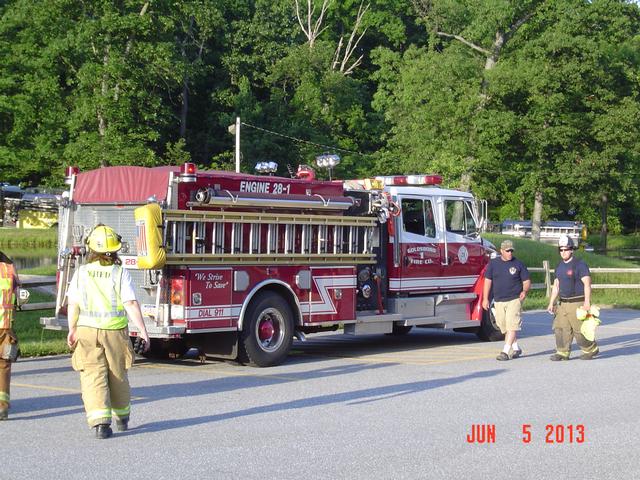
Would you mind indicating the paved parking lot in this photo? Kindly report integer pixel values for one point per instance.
(349, 407)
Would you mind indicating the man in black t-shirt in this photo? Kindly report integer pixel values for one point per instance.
(510, 281)
(573, 286)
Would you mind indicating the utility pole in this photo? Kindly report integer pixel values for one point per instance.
(234, 129)
(237, 144)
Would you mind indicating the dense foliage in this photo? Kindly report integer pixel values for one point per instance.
(515, 99)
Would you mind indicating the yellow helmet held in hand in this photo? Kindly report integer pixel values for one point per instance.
(103, 239)
(588, 328)
(581, 313)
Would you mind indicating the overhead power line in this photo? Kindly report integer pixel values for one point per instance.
(300, 140)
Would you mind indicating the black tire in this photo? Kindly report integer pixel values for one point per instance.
(267, 332)
(161, 349)
(398, 330)
(489, 330)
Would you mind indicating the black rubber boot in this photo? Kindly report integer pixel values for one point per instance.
(589, 356)
(122, 425)
(556, 357)
(103, 431)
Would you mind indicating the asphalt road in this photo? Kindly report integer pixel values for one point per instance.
(348, 408)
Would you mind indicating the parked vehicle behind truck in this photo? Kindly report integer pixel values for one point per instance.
(238, 265)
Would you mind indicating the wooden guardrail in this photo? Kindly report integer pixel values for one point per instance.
(548, 271)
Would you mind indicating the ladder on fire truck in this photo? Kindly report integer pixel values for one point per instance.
(266, 238)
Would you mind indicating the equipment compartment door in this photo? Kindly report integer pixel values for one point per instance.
(208, 303)
(333, 294)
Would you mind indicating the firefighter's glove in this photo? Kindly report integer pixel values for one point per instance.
(139, 345)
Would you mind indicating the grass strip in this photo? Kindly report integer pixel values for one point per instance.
(34, 340)
(17, 238)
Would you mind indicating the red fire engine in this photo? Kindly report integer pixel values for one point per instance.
(238, 265)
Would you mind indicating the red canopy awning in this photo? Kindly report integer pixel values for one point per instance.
(122, 184)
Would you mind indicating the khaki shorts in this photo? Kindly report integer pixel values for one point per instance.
(508, 315)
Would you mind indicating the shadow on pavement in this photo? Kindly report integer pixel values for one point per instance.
(351, 398)
(186, 390)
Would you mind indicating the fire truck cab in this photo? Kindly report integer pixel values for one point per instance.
(238, 265)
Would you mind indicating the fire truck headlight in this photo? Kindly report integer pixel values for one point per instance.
(366, 291)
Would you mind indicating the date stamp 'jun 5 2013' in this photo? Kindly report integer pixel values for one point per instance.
(554, 433)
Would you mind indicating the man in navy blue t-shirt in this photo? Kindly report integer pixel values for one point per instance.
(510, 281)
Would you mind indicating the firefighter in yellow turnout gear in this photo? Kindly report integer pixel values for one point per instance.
(100, 298)
(573, 286)
(8, 341)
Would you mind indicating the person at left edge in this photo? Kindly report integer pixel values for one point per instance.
(510, 281)
(100, 298)
(9, 283)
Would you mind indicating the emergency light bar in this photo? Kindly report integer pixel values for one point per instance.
(188, 172)
(407, 180)
(266, 167)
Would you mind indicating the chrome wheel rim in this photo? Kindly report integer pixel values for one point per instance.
(269, 330)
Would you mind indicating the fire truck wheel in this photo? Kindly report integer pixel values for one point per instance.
(489, 330)
(267, 332)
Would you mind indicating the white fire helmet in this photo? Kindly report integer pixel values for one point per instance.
(566, 242)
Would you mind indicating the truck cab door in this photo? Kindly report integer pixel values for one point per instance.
(462, 251)
(420, 255)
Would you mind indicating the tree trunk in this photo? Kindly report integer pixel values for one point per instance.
(465, 181)
(184, 110)
(104, 90)
(491, 55)
(604, 205)
(523, 208)
(536, 218)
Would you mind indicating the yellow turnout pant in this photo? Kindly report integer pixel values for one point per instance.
(6, 337)
(103, 357)
(566, 327)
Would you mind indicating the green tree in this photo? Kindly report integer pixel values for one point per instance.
(573, 90)
(121, 62)
(32, 104)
